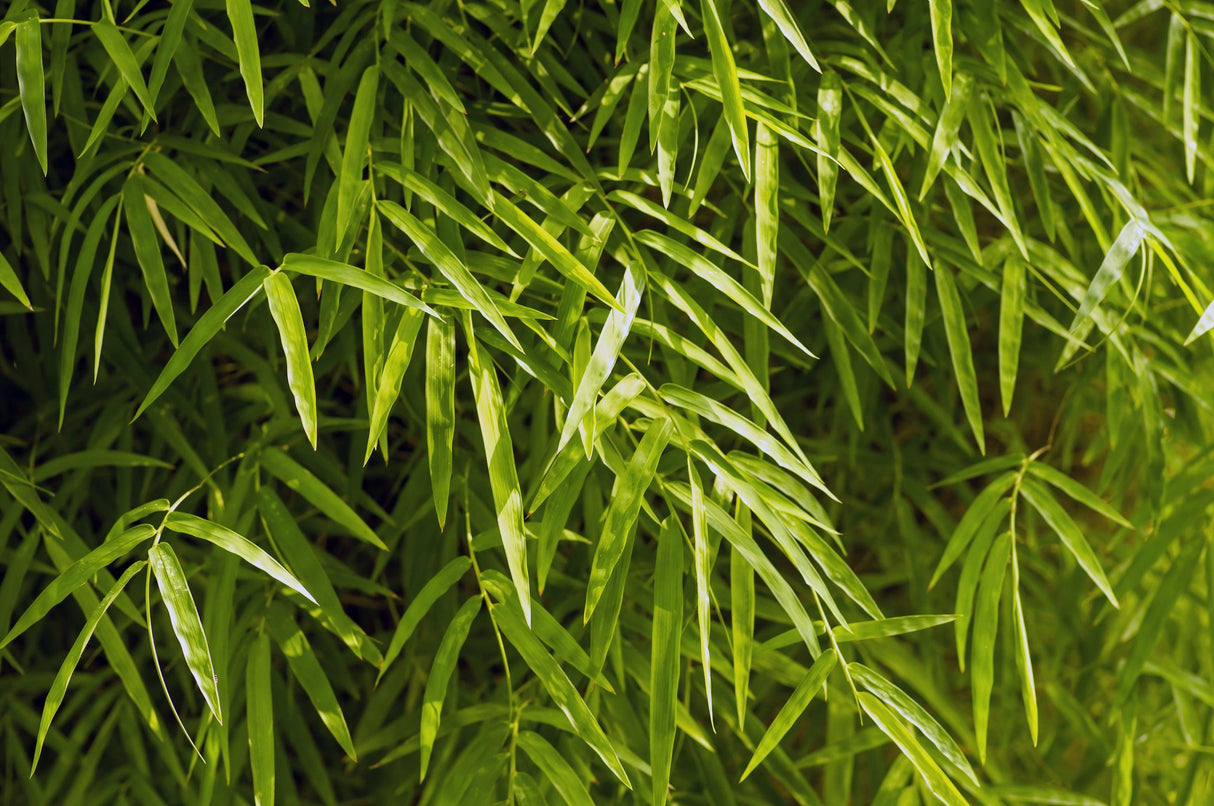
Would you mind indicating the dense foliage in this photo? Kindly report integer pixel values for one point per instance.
(516, 401)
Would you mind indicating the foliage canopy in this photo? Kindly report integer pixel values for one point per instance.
(527, 402)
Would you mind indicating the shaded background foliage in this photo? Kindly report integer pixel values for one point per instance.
(950, 253)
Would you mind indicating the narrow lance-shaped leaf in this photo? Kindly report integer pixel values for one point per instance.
(741, 625)
(355, 154)
(626, 496)
(311, 676)
(986, 624)
(387, 390)
(726, 73)
(1192, 102)
(147, 254)
(430, 593)
(559, 772)
(1110, 271)
(440, 410)
(603, 359)
(120, 54)
(345, 274)
(1024, 660)
(284, 307)
(299, 479)
(826, 128)
(782, 17)
(260, 711)
(893, 727)
(183, 614)
(503, 475)
(54, 697)
(945, 137)
(767, 208)
(665, 655)
(1011, 321)
(1069, 533)
(554, 680)
(796, 704)
(75, 575)
(959, 348)
(449, 265)
(209, 324)
(31, 85)
(10, 282)
(703, 572)
(440, 674)
(232, 542)
(244, 34)
(942, 41)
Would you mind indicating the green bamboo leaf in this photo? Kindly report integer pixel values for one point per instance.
(916, 312)
(123, 57)
(1110, 271)
(986, 624)
(778, 11)
(1011, 321)
(355, 154)
(796, 704)
(503, 475)
(826, 130)
(205, 329)
(281, 526)
(726, 73)
(12, 284)
(31, 85)
(510, 619)
(971, 574)
(602, 360)
(1069, 533)
(414, 182)
(988, 139)
(703, 570)
(387, 389)
(839, 308)
(1024, 661)
(958, 338)
(1204, 323)
(627, 494)
(983, 504)
(1030, 152)
(898, 701)
(935, 779)
(430, 593)
(147, 253)
(944, 140)
(244, 34)
(83, 460)
(260, 719)
(440, 674)
(1190, 112)
(54, 697)
(449, 265)
(741, 625)
(299, 479)
(183, 613)
(440, 410)
(232, 542)
(77, 574)
(199, 200)
(166, 49)
(767, 208)
(552, 250)
(284, 307)
(661, 67)
(1077, 492)
(886, 627)
(942, 41)
(720, 279)
(567, 782)
(345, 274)
(665, 644)
(307, 670)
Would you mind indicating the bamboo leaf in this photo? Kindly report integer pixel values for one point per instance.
(430, 593)
(244, 34)
(441, 671)
(665, 661)
(1069, 533)
(796, 704)
(260, 710)
(440, 410)
(959, 349)
(935, 779)
(31, 85)
(284, 307)
(297, 478)
(183, 613)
